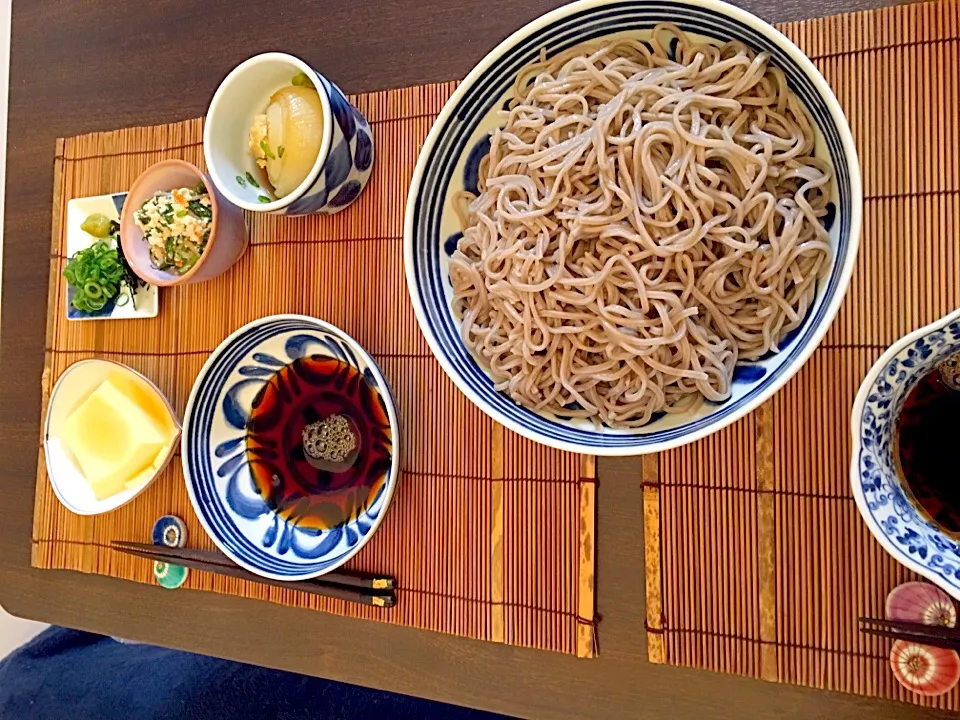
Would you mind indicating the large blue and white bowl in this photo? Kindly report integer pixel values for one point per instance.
(215, 468)
(448, 164)
(883, 500)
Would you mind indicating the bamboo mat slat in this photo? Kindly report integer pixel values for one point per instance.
(489, 536)
(757, 560)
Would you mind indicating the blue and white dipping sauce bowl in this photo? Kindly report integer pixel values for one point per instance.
(883, 498)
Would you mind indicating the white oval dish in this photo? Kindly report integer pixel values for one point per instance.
(73, 387)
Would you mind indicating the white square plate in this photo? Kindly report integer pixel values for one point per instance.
(147, 302)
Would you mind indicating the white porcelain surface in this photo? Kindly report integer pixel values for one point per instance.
(147, 300)
(76, 384)
(346, 150)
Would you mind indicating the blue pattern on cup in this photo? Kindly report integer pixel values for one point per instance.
(346, 169)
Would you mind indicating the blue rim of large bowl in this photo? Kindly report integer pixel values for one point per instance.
(196, 453)
(486, 84)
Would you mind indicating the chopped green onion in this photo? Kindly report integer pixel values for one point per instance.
(266, 150)
(181, 213)
(95, 274)
(201, 188)
(252, 181)
(264, 199)
(280, 151)
(241, 182)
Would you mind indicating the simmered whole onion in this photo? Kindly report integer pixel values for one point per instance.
(285, 140)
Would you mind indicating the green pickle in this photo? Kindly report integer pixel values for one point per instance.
(97, 225)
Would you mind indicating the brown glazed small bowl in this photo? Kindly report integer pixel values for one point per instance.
(228, 232)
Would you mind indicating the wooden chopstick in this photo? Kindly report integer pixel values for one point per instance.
(933, 635)
(913, 627)
(932, 640)
(215, 557)
(939, 630)
(314, 587)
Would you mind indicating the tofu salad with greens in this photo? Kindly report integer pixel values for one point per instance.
(176, 224)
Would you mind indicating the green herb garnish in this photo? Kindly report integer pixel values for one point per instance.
(266, 150)
(252, 181)
(264, 199)
(241, 182)
(301, 79)
(280, 151)
(181, 213)
(166, 212)
(199, 209)
(201, 188)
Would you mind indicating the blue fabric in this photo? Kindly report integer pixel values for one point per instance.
(64, 674)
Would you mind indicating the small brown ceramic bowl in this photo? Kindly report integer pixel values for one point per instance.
(228, 232)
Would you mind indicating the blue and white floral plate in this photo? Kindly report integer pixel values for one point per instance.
(459, 139)
(146, 302)
(881, 497)
(214, 457)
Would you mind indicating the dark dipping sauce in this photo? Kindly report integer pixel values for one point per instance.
(927, 438)
(309, 390)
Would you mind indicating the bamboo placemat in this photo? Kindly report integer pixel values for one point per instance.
(489, 536)
(758, 562)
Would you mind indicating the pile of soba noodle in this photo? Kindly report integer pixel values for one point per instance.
(648, 215)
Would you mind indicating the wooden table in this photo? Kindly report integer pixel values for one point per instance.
(79, 66)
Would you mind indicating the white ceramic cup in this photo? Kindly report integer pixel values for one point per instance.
(342, 167)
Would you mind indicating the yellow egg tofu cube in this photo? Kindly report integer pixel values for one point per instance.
(113, 439)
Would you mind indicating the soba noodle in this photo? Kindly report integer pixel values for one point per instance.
(648, 215)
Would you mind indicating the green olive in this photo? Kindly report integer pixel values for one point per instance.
(97, 225)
